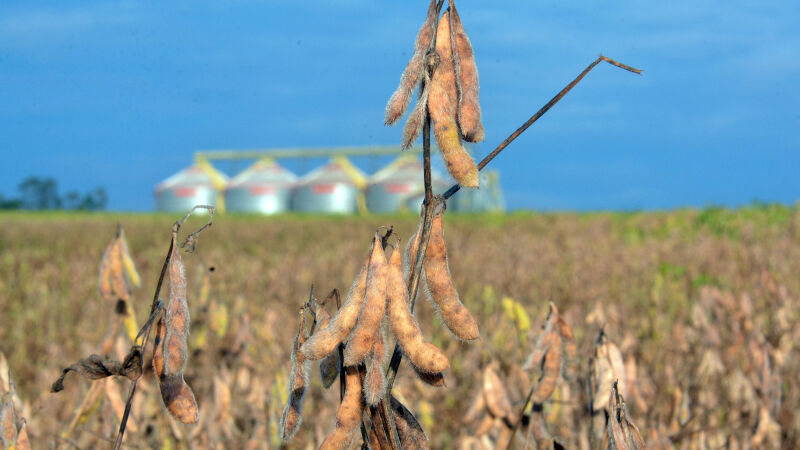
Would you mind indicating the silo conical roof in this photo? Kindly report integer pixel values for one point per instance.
(265, 187)
(390, 188)
(187, 188)
(332, 188)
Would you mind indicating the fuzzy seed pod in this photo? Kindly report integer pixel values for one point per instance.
(570, 350)
(446, 72)
(607, 366)
(169, 355)
(411, 75)
(440, 283)
(442, 105)
(325, 340)
(298, 382)
(539, 430)
(495, 394)
(131, 275)
(329, 366)
(179, 398)
(423, 355)
(409, 431)
(617, 436)
(544, 339)
(375, 380)
(469, 110)
(23, 441)
(117, 272)
(104, 277)
(373, 309)
(552, 369)
(413, 127)
(176, 316)
(8, 426)
(348, 416)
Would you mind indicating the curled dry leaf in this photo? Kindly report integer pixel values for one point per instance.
(442, 289)
(425, 356)
(372, 309)
(96, 367)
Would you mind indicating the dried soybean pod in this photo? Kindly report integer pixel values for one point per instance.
(442, 105)
(570, 349)
(104, 277)
(458, 162)
(117, 272)
(23, 441)
(618, 440)
(399, 101)
(348, 416)
(539, 430)
(551, 371)
(495, 394)
(423, 355)
(131, 275)
(325, 340)
(158, 348)
(440, 283)
(329, 366)
(373, 307)
(298, 382)
(469, 109)
(375, 380)
(413, 127)
(544, 339)
(411, 434)
(176, 315)
(446, 72)
(8, 425)
(179, 398)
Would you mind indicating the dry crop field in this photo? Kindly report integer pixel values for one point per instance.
(698, 312)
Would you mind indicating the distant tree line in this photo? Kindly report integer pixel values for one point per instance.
(42, 193)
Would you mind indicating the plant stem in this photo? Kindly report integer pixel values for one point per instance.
(453, 189)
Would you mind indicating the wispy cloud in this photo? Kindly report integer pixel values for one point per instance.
(45, 24)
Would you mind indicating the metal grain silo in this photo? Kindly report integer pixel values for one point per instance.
(199, 184)
(265, 187)
(335, 188)
(489, 198)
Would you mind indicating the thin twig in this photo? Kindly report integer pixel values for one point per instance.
(453, 189)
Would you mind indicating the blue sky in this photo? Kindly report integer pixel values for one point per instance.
(120, 94)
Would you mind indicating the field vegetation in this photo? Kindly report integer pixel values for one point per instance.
(701, 304)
